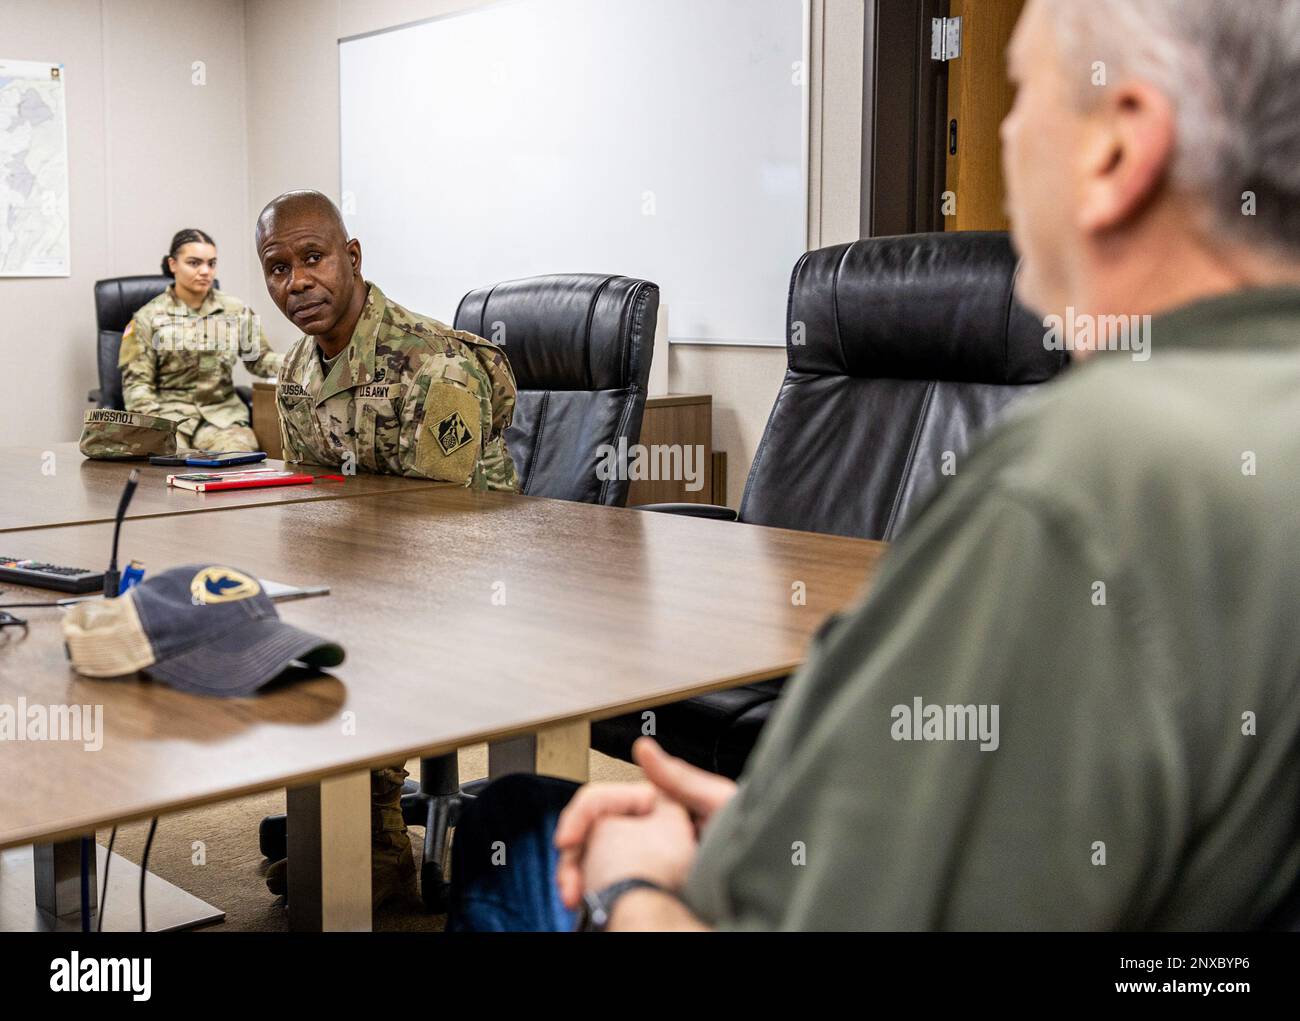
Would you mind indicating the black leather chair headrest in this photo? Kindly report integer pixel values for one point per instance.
(118, 299)
(923, 306)
(551, 320)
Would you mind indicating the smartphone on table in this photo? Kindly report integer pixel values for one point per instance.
(201, 459)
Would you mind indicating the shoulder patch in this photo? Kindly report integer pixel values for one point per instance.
(449, 444)
(452, 433)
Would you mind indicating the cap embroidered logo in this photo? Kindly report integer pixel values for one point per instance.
(222, 585)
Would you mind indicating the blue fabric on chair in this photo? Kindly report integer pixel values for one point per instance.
(504, 860)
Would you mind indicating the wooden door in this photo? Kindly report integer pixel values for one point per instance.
(979, 97)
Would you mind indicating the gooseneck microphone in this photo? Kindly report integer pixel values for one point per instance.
(112, 577)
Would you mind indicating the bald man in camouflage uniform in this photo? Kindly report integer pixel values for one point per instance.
(372, 386)
(407, 396)
(177, 363)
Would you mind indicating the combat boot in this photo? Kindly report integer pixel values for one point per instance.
(392, 865)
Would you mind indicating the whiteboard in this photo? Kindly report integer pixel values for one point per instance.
(662, 139)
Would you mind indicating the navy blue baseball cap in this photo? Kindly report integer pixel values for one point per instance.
(210, 630)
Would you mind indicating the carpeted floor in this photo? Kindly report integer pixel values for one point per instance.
(230, 876)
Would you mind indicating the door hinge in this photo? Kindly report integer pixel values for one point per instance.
(945, 38)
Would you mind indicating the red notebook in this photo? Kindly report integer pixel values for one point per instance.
(212, 482)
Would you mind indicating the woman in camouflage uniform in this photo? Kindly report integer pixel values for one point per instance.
(179, 352)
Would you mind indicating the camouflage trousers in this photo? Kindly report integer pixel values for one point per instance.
(387, 828)
(209, 438)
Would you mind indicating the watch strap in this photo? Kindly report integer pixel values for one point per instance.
(597, 907)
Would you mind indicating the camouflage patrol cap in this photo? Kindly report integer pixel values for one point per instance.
(126, 435)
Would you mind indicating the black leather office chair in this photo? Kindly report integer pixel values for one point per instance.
(116, 301)
(899, 350)
(580, 347)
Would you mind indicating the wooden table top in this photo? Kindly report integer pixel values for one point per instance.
(45, 487)
(604, 610)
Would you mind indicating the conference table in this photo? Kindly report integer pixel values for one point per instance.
(47, 487)
(466, 617)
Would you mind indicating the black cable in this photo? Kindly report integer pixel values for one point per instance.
(27, 606)
(87, 848)
(111, 576)
(144, 868)
(103, 897)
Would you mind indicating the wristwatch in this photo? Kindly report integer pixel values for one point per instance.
(598, 905)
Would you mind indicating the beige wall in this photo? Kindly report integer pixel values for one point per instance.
(294, 143)
(148, 153)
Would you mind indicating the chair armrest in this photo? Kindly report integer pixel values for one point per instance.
(710, 511)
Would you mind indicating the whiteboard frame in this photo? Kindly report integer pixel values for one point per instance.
(805, 141)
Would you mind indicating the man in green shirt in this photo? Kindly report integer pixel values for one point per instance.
(1110, 585)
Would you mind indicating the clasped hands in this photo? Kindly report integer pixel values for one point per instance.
(648, 830)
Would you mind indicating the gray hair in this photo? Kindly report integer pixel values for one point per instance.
(1232, 70)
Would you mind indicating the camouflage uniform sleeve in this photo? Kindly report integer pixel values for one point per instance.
(447, 418)
(139, 365)
(267, 363)
(498, 376)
